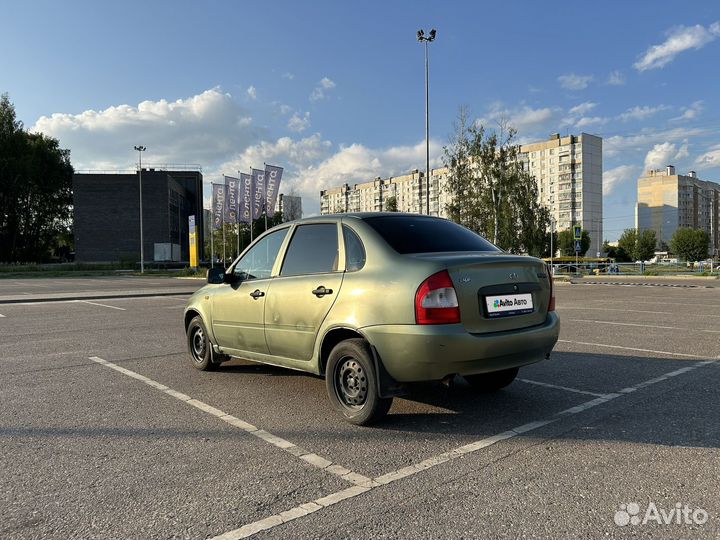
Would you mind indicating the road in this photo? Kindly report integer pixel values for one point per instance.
(107, 432)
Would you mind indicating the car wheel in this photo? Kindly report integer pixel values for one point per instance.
(351, 383)
(492, 382)
(199, 345)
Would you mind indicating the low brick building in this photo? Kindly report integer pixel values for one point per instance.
(107, 213)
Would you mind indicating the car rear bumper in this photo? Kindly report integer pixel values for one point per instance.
(413, 353)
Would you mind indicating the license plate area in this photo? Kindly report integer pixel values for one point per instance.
(508, 305)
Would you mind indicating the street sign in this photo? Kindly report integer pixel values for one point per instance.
(577, 233)
(578, 246)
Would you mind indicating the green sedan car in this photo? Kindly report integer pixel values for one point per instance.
(373, 302)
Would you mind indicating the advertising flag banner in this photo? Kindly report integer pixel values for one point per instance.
(245, 193)
(218, 205)
(258, 201)
(231, 199)
(273, 175)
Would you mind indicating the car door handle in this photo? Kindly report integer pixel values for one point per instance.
(257, 293)
(321, 291)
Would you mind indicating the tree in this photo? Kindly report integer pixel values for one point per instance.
(638, 246)
(690, 244)
(491, 193)
(566, 243)
(391, 204)
(645, 245)
(35, 190)
(627, 242)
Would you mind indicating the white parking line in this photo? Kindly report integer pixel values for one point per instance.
(291, 448)
(566, 388)
(614, 323)
(318, 504)
(587, 308)
(683, 355)
(2, 316)
(101, 305)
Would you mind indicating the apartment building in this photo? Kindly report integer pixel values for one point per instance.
(409, 191)
(568, 171)
(667, 200)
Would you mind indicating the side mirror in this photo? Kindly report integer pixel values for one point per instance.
(216, 275)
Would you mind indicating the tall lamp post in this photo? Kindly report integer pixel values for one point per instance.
(422, 38)
(140, 150)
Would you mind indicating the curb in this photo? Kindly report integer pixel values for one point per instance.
(27, 300)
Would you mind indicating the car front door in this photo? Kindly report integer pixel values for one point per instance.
(304, 291)
(238, 309)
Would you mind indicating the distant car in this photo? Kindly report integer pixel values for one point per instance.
(374, 301)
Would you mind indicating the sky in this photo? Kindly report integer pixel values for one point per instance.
(334, 91)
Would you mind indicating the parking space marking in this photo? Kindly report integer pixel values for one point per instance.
(318, 504)
(291, 448)
(2, 316)
(615, 323)
(586, 308)
(683, 355)
(566, 388)
(101, 305)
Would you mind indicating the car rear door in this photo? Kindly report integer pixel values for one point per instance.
(300, 297)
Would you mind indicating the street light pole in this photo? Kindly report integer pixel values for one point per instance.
(140, 150)
(421, 37)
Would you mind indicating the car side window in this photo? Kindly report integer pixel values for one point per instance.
(313, 250)
(354, 250)
(258, 262)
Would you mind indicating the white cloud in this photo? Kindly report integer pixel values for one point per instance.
(619, 175)
(641, 113)
(202, 129)
(690, 113)
(583, 108)
(285, 109)
(678, 40)
(320, 91)
(289, 76)
(252, 92)
(660, 156)
(525, 119)
(588, 121)
(299, 123)
(709, 159)
(616, 78)
(684, 151)
(618, 143)
(571, 81)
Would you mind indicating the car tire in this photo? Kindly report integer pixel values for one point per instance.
(492, 382)
(199, 345)
(351, 383)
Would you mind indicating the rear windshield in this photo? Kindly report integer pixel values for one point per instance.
(417, 234)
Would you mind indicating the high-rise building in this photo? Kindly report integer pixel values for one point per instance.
(568, 171)
(667, 200)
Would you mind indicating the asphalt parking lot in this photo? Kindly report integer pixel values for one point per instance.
(106, 431)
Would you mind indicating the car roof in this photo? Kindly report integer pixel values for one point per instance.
(363, 215)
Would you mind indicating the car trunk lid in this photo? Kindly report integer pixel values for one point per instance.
(497, 292)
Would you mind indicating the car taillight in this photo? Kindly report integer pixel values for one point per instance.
(551, 304)
(436, 301)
